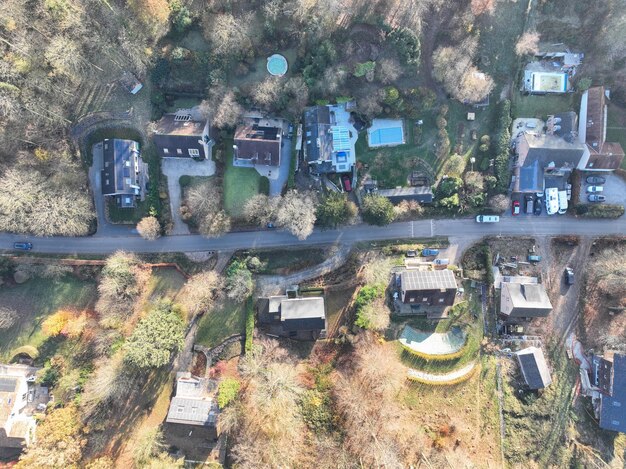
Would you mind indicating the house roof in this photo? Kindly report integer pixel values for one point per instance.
(527, 300)
(529, 178)
(596, 117)
(119, 171)
(418, 193)
(317, 136)
(303, 313)
(534, 368)
(193, 403)
(567, 123)
(8, 390)
(613, 412)
(547, 149)
(421, 280)
(260, 144)
(180, 123)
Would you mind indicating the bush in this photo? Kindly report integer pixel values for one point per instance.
(407, 45)
(249, 326)
(377, 210)
(362, 69)
(487, 256)
(316, 410)
(335, 209)
(600, 210)
(227, 391)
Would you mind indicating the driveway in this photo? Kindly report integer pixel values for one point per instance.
(614, 189)
(174, 168)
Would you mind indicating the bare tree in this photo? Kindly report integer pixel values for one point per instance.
(388, 70)
(478, 7)
(215, 224)
(296, 213)
(200, 291)
(8, 317)
(499, 202)
(229, 35)
(474, 182)
(149, 228)
(261, 209)
(227, 111)
(528, 43)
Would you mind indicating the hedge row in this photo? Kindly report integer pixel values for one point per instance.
(503, 172)
(249, 325)
(436, 358)
(600, 210)
(452, 382)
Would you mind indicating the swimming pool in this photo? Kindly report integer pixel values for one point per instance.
(387, 136)
(277, 65)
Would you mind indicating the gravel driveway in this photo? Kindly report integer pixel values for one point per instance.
(174, 168)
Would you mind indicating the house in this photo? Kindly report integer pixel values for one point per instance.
(534, 368)
(609, 376)
(183, 134)
(258, 142)
(329, 139)
(294, 317)
(427, 287)
(124, 174)
(603, 155)
(554, 153)
(20, 398)
(194, 402)
(421, 194)
(524, 300)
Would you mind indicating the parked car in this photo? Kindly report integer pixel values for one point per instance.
(595, 189)
(487, 219)
(441, 261)
(23, 246)
(534, 258)
(569, 276)
(595, 180)
(596, 198)
(514, 329)
(270, 225)
(568, 191)
(430, 252)
(516, 207)
(538, 207)
(530, 204)
(347, 183)
(411, 253)
(290, 131)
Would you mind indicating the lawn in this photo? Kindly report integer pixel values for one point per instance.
(542, 106)
(34, 301)
(165, 282)
(225, 320)
(616, 127)
(130, 216)
(285, 262)
(240, 184)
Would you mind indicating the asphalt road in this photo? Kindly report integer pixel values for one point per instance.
(523, 226)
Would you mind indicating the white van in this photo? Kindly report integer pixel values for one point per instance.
(552, 200)
(562, 202)
(487, 219)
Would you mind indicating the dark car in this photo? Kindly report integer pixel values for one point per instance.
(595, 180)
(516, 208)
(596, 198)
(23, 246)
(347, 183)
(538, 207)
(569, 276)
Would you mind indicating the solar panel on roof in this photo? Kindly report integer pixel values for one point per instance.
(7, 384)
(341, 138)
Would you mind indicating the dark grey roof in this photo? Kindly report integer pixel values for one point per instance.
(190, 411)
(613, 412)
(8, 384)
(178, 146)
(318, 141)
(548, 149)
(534, 368)
(530, 178)
(122, 167)
(415, 280)
(568, 125)
(422, 194)
(301, 314)
(526, 300)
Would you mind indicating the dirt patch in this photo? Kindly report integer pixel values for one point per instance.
(515, 251)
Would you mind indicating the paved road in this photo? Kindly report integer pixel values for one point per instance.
(466, 228)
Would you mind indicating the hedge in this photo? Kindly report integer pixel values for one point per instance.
(502, 149)
(599, 210)
(249, 325)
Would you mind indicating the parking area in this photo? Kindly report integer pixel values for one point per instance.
(614, 189)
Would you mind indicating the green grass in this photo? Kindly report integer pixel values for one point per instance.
(35, 300)
(130, 216)
(240, 184)
(616, 128)
(285, 261)
(542, 106)
(165, 282)
(224, 321)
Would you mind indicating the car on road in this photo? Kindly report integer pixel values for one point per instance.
(595, 180)
(596, 198)
(23, 246)
(430, 252)
(594, 189)
(487, 219)
(347, 183)
(569, 276)
(515, 209)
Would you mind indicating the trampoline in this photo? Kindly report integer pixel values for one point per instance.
(277, 65)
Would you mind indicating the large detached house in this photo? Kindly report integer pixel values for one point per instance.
(524, 300)
(124, 174)
(608, 374)
(258, 142)
(329, 139)
(302, 318)
(428, 287)
(602, 155)
(184, 134)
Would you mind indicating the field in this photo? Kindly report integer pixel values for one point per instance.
(225, 320)
(240, 184)
(36, 299)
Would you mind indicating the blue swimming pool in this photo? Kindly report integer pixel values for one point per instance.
(388, 136)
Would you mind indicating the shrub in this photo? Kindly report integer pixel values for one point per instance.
(227, 391)
(362, 69)
(407, 45)
(335, 209)
(502, 151)
(316, 410)
(377, 210)
(600, 210)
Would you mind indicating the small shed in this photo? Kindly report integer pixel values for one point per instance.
(534, 368)
(471, 116)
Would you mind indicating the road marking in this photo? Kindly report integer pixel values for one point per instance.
(432, 228)
(412, 231)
